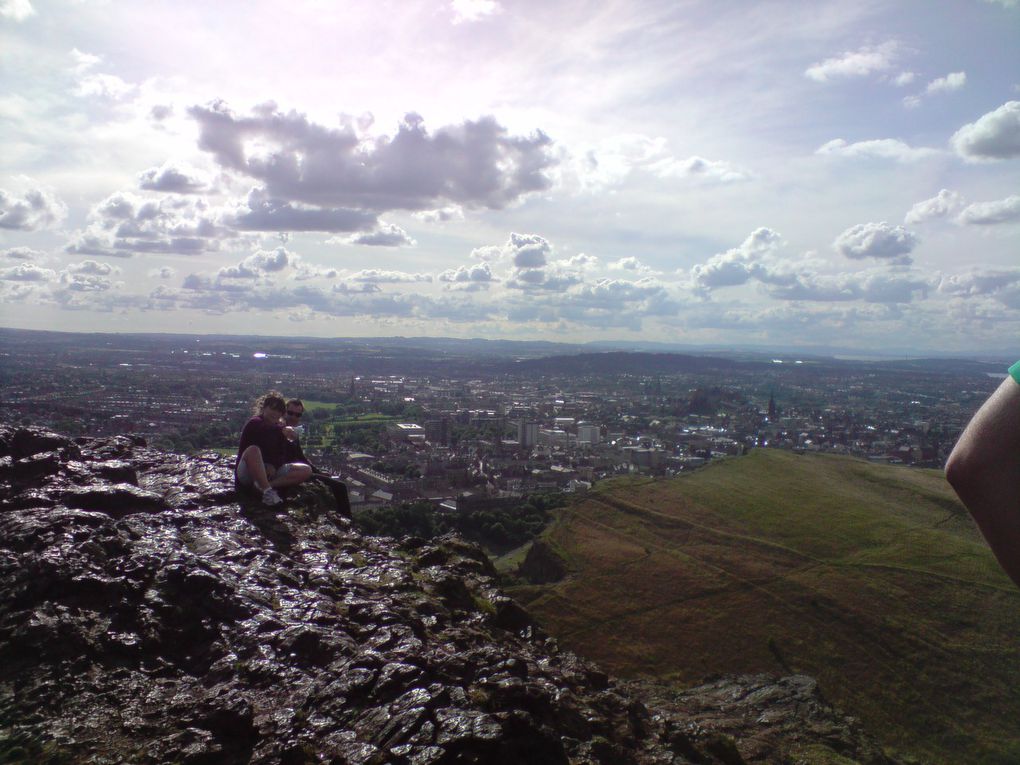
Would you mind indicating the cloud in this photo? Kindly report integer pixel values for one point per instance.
(987, 213)
(870, 287)
(16, 10)
(261, 212)
(528, 250)
(125, 223)
(172, 178)
(27, 272)
(478, 273)
(441, 215)
(386, 235)
(257, 264)
(904, 78)
(473, 10)
(947, 84)
(476, 164)
(378, 276)
(164, 272)
(614, 159)
(36, 209)
(605, 303)
(882, 148)
(979, 282)
(92, 267)
(84, 282)
(23, 253)
(995, 135)
(942, 205)
(581, 261)
(859, 63)
(630, 264)
(877, 240)
(738, 265)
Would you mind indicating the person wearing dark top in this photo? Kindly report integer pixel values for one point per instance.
(292, 417)
(262, 455)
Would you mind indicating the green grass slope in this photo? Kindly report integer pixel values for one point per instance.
(869, 577)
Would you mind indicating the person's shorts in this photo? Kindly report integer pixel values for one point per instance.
(244, 477)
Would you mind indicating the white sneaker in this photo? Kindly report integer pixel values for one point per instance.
(270, 497)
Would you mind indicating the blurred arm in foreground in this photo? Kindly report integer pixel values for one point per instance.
(984, 469)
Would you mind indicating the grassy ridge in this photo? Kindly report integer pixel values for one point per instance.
(869, 577)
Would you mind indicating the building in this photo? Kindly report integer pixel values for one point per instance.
(527, 433)
(589, 434)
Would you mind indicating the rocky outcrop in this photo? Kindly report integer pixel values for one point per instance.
(151, 615)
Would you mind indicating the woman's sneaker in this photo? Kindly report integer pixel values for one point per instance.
(270, 497)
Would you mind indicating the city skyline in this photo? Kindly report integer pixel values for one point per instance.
(693, 173)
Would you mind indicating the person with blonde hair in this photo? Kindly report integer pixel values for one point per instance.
(261, 454)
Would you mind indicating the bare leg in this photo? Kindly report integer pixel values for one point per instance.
(252, 458)
(984, 468)
(298, 473)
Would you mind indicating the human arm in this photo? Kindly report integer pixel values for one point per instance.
(984, 469)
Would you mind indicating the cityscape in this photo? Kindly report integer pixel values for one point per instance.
(469, 428)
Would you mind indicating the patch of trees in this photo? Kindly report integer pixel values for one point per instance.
(498, 529)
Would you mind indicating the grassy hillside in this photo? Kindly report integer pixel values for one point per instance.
(871, 578)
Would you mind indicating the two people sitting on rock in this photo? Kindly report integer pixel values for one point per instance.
(262, 461)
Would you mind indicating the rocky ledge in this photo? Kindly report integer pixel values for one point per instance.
(151, 615)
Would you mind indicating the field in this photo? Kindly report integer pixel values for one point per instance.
(870, 578)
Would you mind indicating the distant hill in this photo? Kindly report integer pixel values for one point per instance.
(617, 362)
(869, 577)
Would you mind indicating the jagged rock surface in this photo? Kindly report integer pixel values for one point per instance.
(149, 615)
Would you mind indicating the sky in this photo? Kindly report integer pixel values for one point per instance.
(774, 174)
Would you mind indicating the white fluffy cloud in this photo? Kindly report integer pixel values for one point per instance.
(476, 164)
(23, 253)
(613, 160)
(877, 240)
(92, 267)
(942, 205)
(995, 135)
(522, 250)
(979, 282)
(27, 272)
(257, 264)
(882, 148)
(631, 264)
(952, 81)
(16, 10)
(35, 209)
(877, 286)
(379, 276)
(858, 63)
(738, 265)
(172, 177)
(987, 213)
(440, 215)
(473, 10)
(475, 274)
(125, 223)
(386, 235)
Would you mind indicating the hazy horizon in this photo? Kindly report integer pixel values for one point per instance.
(693, 173)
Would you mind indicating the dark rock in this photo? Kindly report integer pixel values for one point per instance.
(151, 615)
(25, 442)
(116, 500)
